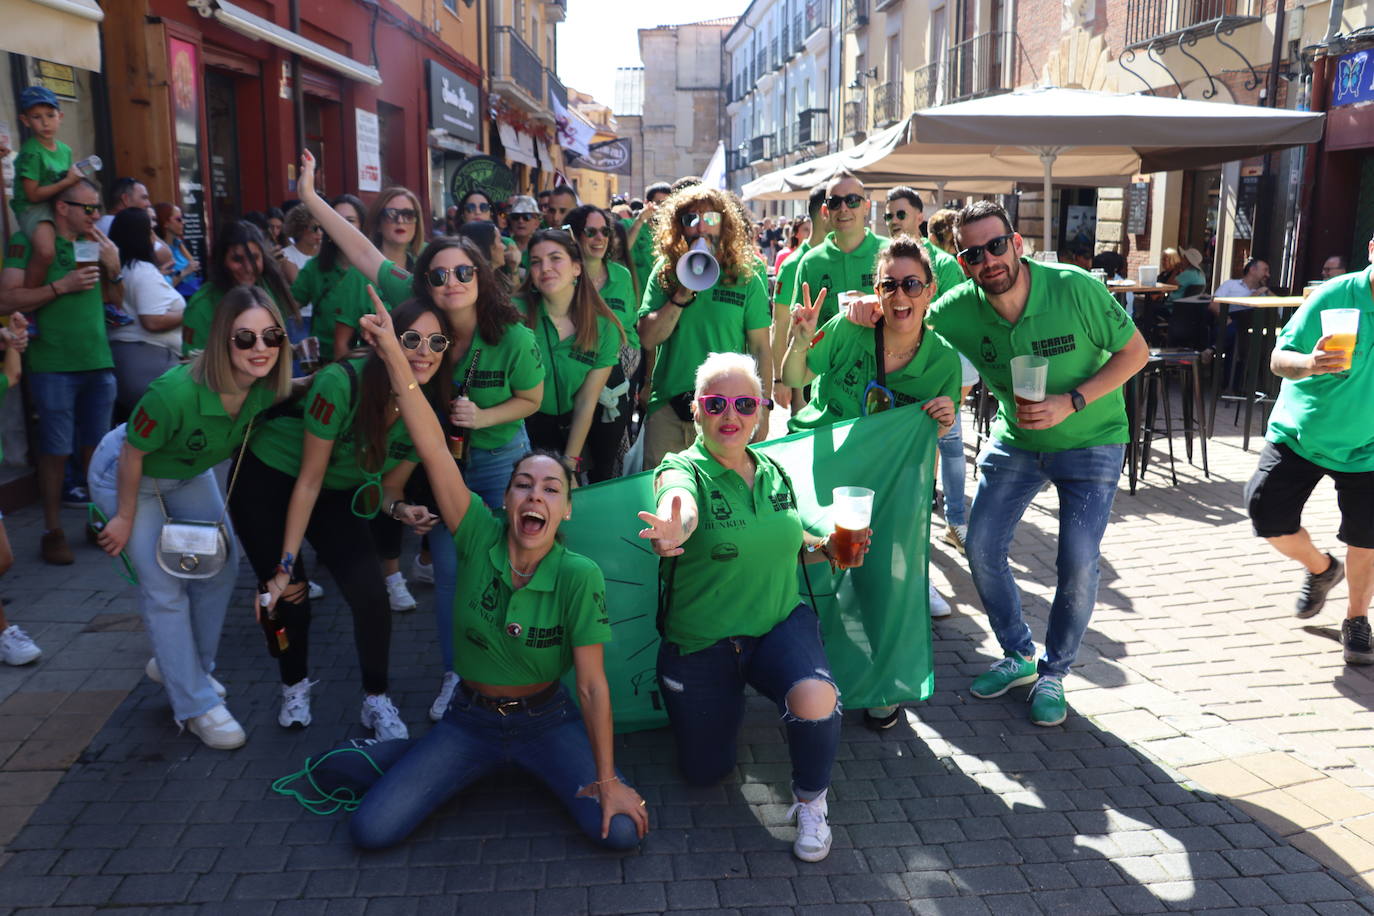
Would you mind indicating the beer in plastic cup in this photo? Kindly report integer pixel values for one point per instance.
(309, 351)
(1028, 377)
(851, 510)
(1343, 327)
(87, 253)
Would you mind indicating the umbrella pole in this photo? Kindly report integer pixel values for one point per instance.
(939, 194)
(1047, 156)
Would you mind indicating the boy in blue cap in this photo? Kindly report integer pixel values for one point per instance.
(43, 171)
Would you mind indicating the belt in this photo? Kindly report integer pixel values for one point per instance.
(507, 705)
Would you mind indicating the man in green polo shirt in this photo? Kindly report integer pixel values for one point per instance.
(783, 300)
(843, 261)
(640, 232)
(904, 214)
(1323, 425)
(1075, 438)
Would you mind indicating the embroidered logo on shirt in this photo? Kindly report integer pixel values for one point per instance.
(322, 410)
(988, 351)
(724, 553)
(487, 603)
(144, 424)
(728, 296)
(1051, 346)
(781, 502)
(720, 509)
(196, 442)
(583, 356)
(544, 637)
(488, 378)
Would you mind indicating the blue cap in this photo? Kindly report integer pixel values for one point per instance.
(37, 95)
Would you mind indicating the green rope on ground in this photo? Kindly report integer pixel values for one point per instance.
(343, 799)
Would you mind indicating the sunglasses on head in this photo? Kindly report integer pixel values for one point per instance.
(877, 398)
(438, 276)
(973, 254)
(398, 215)
(524, 216)
(247, 338)
(88, 209)
(745, 405)
(438, 343)
(898, 215)
(852, 201)
(911, 285)
(477, 206)
(710, 218)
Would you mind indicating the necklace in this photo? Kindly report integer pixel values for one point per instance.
(901, 354)
(522, 573)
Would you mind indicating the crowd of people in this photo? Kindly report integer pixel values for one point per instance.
(332, 378)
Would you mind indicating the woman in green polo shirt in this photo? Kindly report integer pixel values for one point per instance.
(528, 610)
(239, 258)
(730, 612)
(334, 288)
(158, 465)
(323, 476)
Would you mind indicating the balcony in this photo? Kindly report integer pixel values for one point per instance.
(555, 10)
(887, 103)
(775, 54)
(735, 160)
(856, 13)
(817, 16)
(855, 122)
(516, 69)
(787, 139)
(1157, 21)
(760, 64)
(798, 32)
(813, 127)
(761, 148)
(556, 89)
(983, 65)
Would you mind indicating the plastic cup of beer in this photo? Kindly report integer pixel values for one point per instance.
(87, 253)
(1028, 377)
(851, 510)
(309, 352)
(1343, 327)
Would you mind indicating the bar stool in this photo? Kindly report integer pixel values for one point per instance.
(1165, 369)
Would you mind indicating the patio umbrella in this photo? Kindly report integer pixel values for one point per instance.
(795, 182)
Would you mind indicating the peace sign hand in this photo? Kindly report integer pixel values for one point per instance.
(806, 313)
(665, 535)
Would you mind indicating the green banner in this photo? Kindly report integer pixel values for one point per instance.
(875, 619)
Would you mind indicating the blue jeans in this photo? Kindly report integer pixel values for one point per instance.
(74, 408)
(703, 693)
(1086, 479)
(951, 446)
(470, 741)
(487, 474)
(183, 617)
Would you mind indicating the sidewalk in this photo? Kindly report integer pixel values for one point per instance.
(1219, 756)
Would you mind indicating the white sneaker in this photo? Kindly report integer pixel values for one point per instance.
(380, 716)
(813, 833)
(155, 675)
(445, 697)
(396, 592)
(16, 648)
(316, 591)
(939, 607)
(295, 703)
(218, 729)
(421, 573)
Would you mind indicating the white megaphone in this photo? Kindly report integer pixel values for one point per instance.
(698, 269)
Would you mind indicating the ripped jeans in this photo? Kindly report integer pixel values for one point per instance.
(704, 695)
(470, 741)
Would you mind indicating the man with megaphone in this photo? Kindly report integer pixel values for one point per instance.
(706, 294)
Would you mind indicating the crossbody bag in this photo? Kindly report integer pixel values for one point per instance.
(190, 549)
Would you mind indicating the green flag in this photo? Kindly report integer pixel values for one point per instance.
(875, 619)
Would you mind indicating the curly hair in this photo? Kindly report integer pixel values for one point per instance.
(735, 250)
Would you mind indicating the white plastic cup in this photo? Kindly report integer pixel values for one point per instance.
(1343, 327)
(1149, 274)
(1028, 377)
(86, 252)
(851, 511)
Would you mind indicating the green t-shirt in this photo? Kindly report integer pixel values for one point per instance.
(842, 356)
(619, 296)
(838, 271)
(72, 327)
(45, 166)
(1326, 418)
(338, 296)
(945, 268)
(502, 369)
(737, 575)
(719, 321)
(1070, 318)
(182, 425)
(329, 410)
(394, 286)
(515, 637)
(787, 276)
(565, 365)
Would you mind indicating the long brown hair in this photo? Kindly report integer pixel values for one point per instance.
(735, 250)
(494, 311)
(587, 303)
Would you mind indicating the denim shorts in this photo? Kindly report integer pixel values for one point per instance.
(75, 409)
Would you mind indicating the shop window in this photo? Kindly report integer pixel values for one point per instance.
(391, 137)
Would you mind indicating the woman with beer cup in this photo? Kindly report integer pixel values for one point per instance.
(729, 610)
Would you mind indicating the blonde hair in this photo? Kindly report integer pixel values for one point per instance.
(735, 250)
(214, 369)
(718, 365)
(374, 219)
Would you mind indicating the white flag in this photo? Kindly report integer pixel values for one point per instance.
(714, 176)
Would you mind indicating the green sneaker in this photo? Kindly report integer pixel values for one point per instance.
(1012, 671)
(1047, 702)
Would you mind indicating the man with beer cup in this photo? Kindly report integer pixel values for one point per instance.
(1321, 426)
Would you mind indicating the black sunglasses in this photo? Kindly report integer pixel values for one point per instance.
(477, 207)
(911, 285)
(596, 232)
(707, 218)
(973, 254)
(397, 215)
(88, 209)
(745, 405)
(438, 276)
(410, 339)
(524, 216)
(852, 201)
(247, 338)
(898, 215)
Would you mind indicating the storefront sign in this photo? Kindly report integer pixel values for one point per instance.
(608, 156)
(60, 78)
(482, 173)
(1354, 79)
(1137, 207)
(184, 70)
(369, 151)
(454, 103)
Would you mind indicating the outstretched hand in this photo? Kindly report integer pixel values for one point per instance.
(665, 535)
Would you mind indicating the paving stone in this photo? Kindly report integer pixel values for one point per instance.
(1307, 888)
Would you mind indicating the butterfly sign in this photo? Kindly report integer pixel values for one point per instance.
(1351, 86)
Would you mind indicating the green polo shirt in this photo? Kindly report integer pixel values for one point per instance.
(338, 296)
(642, 252)
(72, 327)
(787, 276)
(842, 356)
(737, 575)
(619, 296)
(515, 637)
(944, 267)
(838, 271)
(565, 364)
(511, 364)
(1070, 318)
(38, 163)
(719, 321)
(329, 408)
(1327, 418)
(182, 425)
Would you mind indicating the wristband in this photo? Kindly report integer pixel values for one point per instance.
(683, 305)
(394, 503)
(287, 561)
(55, 293)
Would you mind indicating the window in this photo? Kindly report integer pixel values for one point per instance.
(451, 6)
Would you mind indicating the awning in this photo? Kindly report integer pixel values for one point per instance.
(260, 29)
(62, 31)
(519, 147)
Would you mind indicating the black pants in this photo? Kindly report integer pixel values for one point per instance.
(342, 541)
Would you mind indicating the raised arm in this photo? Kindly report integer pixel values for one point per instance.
(358, 248)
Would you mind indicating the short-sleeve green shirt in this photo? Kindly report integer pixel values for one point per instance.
(1328, 419)
(338, 296)
(72, 327)
(787, 276)
(838, 271)
(737, 575)
(842, 356)
(719, 321)
(182, 426)
(619, 296)
(394, 286)
(514, 364)
(1070, 318)
(330, 408)
(38, 163)
(565, 364)
(945, 267)
(515, 637)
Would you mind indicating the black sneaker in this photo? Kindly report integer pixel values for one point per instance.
(1357, 640)
(882, 722)
(1315, 587)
